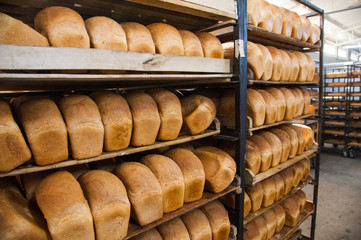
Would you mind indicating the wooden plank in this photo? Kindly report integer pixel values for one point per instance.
(42, 58)
(251, 179)
(335, 94)
(207, 197)
(252, 215)
(261, 82)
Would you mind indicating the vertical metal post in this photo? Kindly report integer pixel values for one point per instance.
(240, 67)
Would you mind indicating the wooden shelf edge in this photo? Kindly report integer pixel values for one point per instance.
(261, 82)
(251, 179)
(187, 207)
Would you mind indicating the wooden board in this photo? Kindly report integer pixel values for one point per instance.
(261, 82)
(335, 94)
(42, 58)
(187, 207)
(251, 179)
(336, 84)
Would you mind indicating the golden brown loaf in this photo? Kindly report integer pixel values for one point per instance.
(290, 103)
(280, 102)
(13, 148)
(302, 198)
(61, 200)
(256, 107)
(198, 113)
(306, 100)
(192, 45)
(306, 28)
(271, 107)
(309, 135)
(170, 112)
(277, 19)
(297, 174)
(315, 34)
(31, 181)
(271, 222)
(219, 168)
(218, 219)
(298, 100)
(253, 157)
(16, 32)
(170, 179)
(174, 230)
(287, 175)
(146, 120)
(255, 60)
(267, 62)
(277, 63)
(286, 143)
(276, 146)
(293, 138)
(144, 192)
(252, 232)
(265, 150)
(197, 225)
(286, 66)
(192, 170)
(151, 234)
(295, 66)
(301, 138)
(292, 210)
(266, 21)
(167, 39)
(296, 26)
(139, 38)
(287, 22)
(108, 202)
(262, 226)
(279, 186)
(45, 129)
(281, 217)
(303, 63)
(269, 192)
(105, 33)
(306, 169)
(255, 194)
(247, 205)
(228, 50)
(211, 45)
(85, 127)
(311, 68)
(116, 118)
(253, 12)
(62, 26)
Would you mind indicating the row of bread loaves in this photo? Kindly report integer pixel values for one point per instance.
(282, 21)
(63, 27)
(105, 120)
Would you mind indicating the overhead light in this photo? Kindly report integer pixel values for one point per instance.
(352, 46)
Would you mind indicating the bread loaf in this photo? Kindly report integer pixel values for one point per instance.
(211, 45)
(15, 32)
(266, 16)
(62, 26)
(304, 67)
(262, 226)
(197, 225)
(247, 205)
(219, 168)
(285, 141)
(277, 63)
(265, 151)
(252, 232)
(276, 146)
(301, 199)
(170, 112)
(281, 217)
(296, 26)
(277, 19)
(280, 102)
(306, 28)
(306, 169)
(192, 45)
(192, 170)
(292, 210)
(151, 234)
(146, 120)
(170, 179)
(256, 108)
(287, 22)
(311, 68)
(212, 93)
(253, 12)
(271, 107)
(315, 34)
(297, 174)
(267, 62)
(290, 103)
(44, 128)
(295, 66)
(218, 219)
(167, 39)
(300, 101)
(105, 33)
(255, 194)
(13, 148)
(255, 60)
(271, 222)
(108, 202)
(174, 230)
(306, 100)
(309, 135)
(286, 66)
(293, 139)
(198, 113)
(31, 181)
(269, 192)
(279, 186)
(144, 192)
(301, 138)
(287, 175)
(85, 127)
(138, 37)
(116, 118)
(253, 157)
(61, 200)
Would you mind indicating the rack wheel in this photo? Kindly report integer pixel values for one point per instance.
(352, 154)
(345, 154)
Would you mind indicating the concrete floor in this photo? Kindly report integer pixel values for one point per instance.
(339, 201)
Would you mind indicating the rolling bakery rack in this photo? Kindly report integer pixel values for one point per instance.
(45, 70)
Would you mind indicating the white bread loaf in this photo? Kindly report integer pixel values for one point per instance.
(256, 107)
(309, 135)
(311, 68)
(290, 103)
(279, 186)
(304, 66)
(166, 38)
(255, 194)
(281, 217)
(271, 107)
(265, 150)
(292, 210)
(212, 93)
(269, 192)
(285, 141)
(262, 226)
(293, 138)
(192, 170)
(198, 113)
(287, 22)
(151, 234)
(197, 225)
(116, 118)
(276, 146)
(280, 102)
(62, 26)
(301, 138)
(138, 37)
(287, 175)
(297, 174)
(219, 168)
(105, 33)
(301, 198)
(295, 66)
(144, 192)
(146, 120)
(306, 169)
(44, 128)
(211, 45)
(306, 28)
(277, 63)
(306, 100)
(13, 148)
(286, 66)
(253, 157)
(277, 19)
(300, 103)
(296, 26)
(174, 230)
(253, 12)
(315, 34)
(170, 179)
(271, 222)
(191, 43)
(61, 200)
(170, 112)
(218, 219)
(266, 21)
(228, 50)
(267, 62)
(109, 203)
(84, 124)
(255, 60)
(15, 32)
(247, 205)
